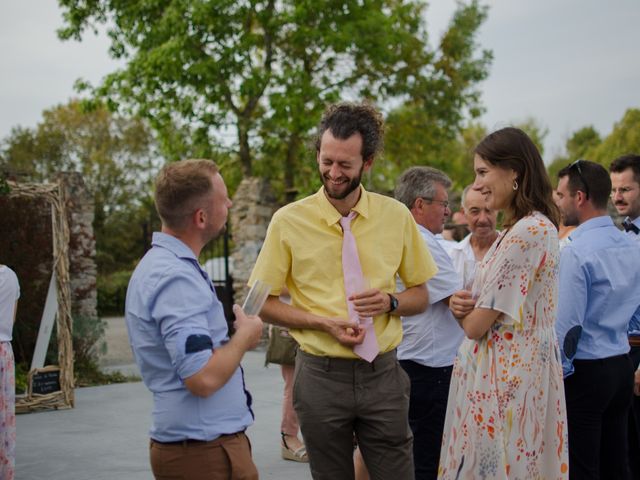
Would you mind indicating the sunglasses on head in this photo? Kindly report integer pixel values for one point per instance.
(576, 165)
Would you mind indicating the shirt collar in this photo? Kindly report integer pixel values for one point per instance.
(464, 243)
(425, 231)
(635, 221)
(591, 224)
(332, 216)
(173, 244)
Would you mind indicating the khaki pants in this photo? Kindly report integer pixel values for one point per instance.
(225, 458)
(335, 398)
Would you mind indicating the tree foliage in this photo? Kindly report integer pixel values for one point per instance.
(623, 139)
(577, 146)
(587, 143)
(116, 157)
(264, 70)
(412, 139)
(581, 142)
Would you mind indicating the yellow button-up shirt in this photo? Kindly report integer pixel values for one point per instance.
(303, 250)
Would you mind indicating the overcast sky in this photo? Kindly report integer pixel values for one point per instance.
(567, 63)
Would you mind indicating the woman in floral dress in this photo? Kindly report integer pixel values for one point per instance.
(506, 416)
(9, 293)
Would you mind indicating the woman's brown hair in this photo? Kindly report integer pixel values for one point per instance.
(512, 148)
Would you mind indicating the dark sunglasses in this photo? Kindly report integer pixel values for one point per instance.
(576, 165)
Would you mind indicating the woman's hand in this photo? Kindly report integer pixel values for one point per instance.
(461, 303)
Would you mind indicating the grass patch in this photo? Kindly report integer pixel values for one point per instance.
(88, 374)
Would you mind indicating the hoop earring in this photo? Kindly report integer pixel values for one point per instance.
(515, 185)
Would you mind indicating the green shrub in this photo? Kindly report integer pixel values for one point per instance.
(112, 290)
(22, 370)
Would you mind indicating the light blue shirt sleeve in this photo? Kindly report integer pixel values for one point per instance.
(634, 324)
(180, 309)
(572, 306)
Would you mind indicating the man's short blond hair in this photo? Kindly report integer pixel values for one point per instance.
(180, 189)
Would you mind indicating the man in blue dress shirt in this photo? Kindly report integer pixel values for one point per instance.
(625, 195)
(598, 294)
(179, 335)
(430, 340)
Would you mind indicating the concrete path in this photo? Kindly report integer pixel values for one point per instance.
(105, 435)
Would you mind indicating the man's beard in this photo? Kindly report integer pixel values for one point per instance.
(353, 184)
(212, 234)
(570, 220)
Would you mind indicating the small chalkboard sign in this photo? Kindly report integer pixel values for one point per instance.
(44, 381)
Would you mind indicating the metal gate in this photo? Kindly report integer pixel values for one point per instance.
(216, 261)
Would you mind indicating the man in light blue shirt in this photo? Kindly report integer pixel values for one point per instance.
(625, 195)
(431, 339)
(598, 294)
(179, 335)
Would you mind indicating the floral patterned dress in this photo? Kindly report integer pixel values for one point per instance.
(506, 416)
(9, 293)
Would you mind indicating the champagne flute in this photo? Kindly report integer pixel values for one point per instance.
(469, 275)
(256, 298)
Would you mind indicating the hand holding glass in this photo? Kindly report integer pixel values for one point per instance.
(256, 298)
(469, 274)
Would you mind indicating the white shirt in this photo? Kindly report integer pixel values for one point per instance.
(461, 252)
(9, 294)
(563, 242)
(432, 338)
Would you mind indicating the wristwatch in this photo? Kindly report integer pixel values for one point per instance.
(393, 303)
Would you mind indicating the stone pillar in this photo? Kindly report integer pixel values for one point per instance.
(82, 247)
(253, 205)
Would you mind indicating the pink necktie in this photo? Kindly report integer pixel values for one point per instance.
(354, 283)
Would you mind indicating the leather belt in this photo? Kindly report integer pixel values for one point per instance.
(634, 341)
(188, 441)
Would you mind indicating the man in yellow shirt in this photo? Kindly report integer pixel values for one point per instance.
(336, 393)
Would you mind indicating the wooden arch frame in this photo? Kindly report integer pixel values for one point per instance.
(55, 194)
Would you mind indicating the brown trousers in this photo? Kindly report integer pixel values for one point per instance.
(225, 458)
(337, 398)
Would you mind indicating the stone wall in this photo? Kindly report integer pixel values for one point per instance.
(253, 205)
(82, 247)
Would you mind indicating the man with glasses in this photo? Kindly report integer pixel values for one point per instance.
(598, 294)
(430, 339)
(625, 195)
(625, 192)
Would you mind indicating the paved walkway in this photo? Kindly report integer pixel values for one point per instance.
(105, 435)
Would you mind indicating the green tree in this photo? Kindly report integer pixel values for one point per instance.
(263, 70)
(413, 139)
(536, 131)
(586, 143)
(577, 146)
(581, 142)
(116, 158)
(623, 139)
